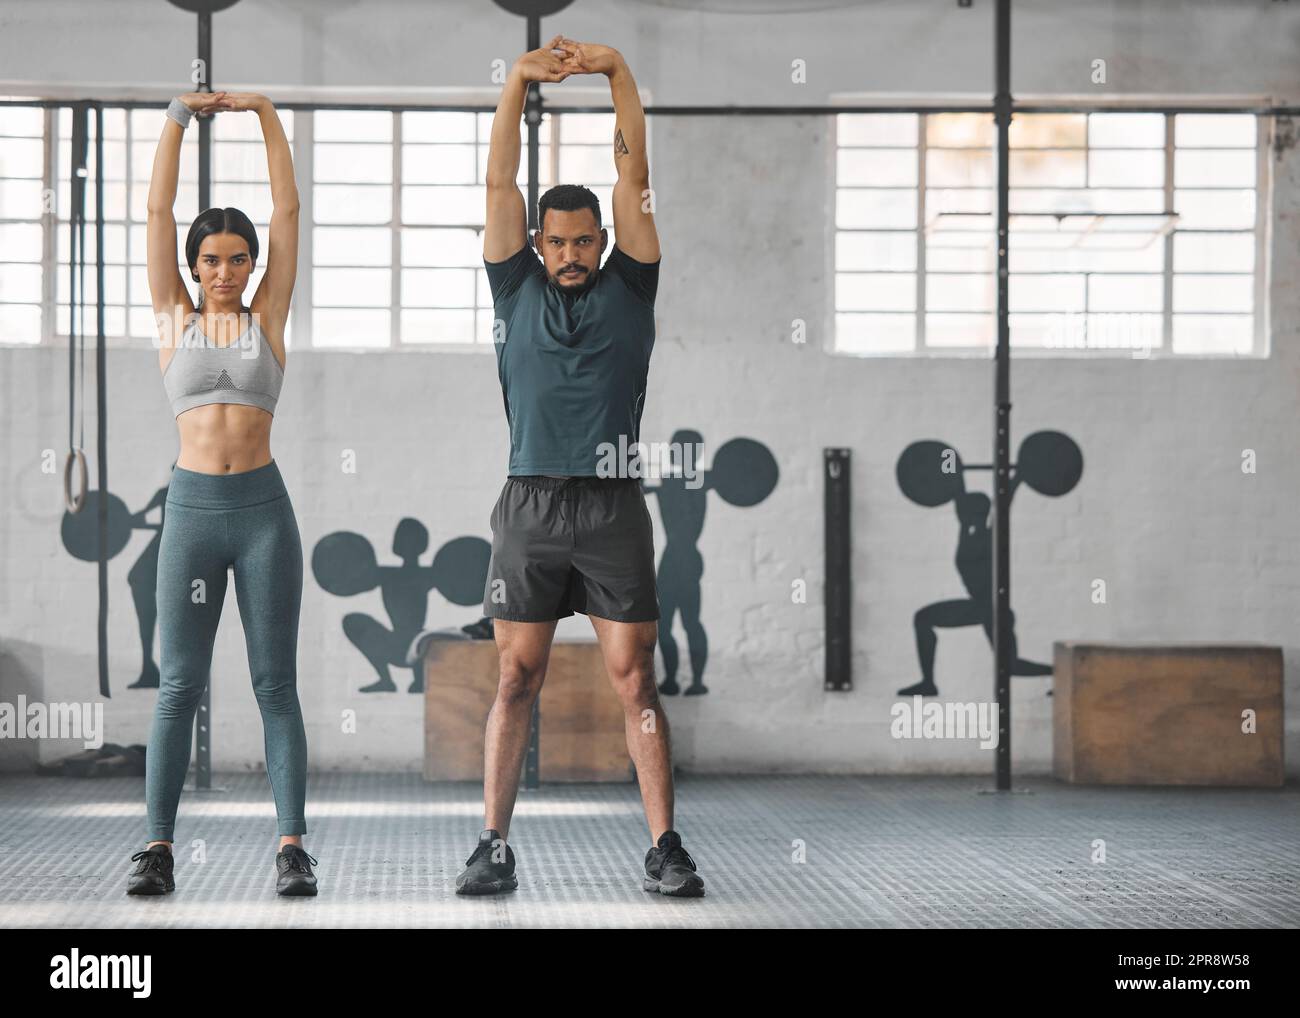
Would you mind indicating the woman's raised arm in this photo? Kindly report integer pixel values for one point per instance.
(171, 298)
(270, 304)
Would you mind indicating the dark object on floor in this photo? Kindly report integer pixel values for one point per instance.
(108, 761)
(480, 630)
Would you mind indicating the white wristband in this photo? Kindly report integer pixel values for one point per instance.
(180, 113)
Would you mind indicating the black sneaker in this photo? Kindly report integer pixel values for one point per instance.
(295, 876)
(670, 870)
(153, 872)
(484, 872)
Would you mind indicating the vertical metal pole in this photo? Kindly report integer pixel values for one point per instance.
(203, 719)
(1002, 409)
(101, 402)
(837, 465)
(533, 118)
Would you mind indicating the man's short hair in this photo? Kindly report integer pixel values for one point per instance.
(567, 198)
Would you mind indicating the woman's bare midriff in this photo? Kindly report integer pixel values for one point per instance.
(224, 438)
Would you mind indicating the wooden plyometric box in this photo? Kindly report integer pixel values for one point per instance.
(1133, 714)
(581, 735)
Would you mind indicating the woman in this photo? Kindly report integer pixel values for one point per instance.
(227, 508)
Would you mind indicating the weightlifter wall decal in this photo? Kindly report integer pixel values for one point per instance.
(931, 474)
(79, 533)
(743, 473)
(344, 564)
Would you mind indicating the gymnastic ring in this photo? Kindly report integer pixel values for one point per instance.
(74, 504)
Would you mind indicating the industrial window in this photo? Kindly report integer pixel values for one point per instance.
(1140, 233)
(390, 250)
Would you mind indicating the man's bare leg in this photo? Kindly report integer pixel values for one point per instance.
(629, 652)
(524, 649)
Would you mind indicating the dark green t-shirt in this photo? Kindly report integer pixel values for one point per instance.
(573, 370)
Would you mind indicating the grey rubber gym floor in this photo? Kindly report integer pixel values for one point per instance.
(876, 852)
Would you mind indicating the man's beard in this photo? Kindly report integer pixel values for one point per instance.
(588, 281)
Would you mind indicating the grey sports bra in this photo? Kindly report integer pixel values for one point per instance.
(200, 372)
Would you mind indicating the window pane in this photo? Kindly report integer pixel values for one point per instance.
(1047, 293)
(23, 122)
(960, 130)
(958, 199)
(360, 164)
(142, 153)
(352, 287)
(1215, 130)
(1126, 130)
(1223, 210)
(352, 125)
(864, 291)
(1214, 252)
(352, 245)
(1209, 334)
(442, 247)
(858, 333)
(1086, 200)
(350, 327)
(954, 330)
(876, 167)
(438, 164)
(20, 199)
(1048, 130)
(958, 168)
(439, 288)
(239, 161)
(1125, 293)
(20, 283)
(1214, 168)
(444, 127)
(951, 292)
(954, 258)
(444, 205)
(21, 157)
(587, 165)
(1150, 258)
(875, 251)
(1214, 293)
(114, 283)
(877, 129)
(426, 325)
(20, 242)
(353, 203)
(1045, 169)
(588, 129)
(1126, 169)
(114, 321)
(880, 208)
(254, 200)
(20, 323)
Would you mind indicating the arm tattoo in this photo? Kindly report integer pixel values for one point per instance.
(620, 146)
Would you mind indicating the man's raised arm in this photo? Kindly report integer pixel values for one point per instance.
(634, 224)
(507, 219)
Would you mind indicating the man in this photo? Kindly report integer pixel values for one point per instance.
(570, 534)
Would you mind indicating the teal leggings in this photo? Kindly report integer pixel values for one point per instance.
(214, 523)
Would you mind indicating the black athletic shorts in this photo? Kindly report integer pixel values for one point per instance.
(571, 544)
